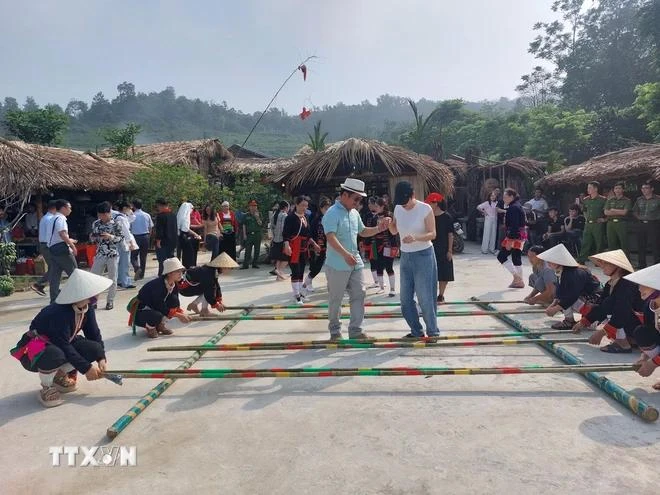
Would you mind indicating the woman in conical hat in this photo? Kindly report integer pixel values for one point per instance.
(158, 301)
(577, 287)
(647, 335)
(202, 281)
(53, 346)
(617, 308)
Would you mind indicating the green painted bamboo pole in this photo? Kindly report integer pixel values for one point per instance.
(615, 391)
(368, 304)
(334, 346)
(377, 340)
(400, 371)
(127, 418)
(324, 316)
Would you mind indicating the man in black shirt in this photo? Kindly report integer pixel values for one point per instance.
(167, 233)
(573, 228)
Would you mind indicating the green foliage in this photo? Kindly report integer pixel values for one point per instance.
(601, 52)
(317, 141)
(171, 182)
(45, 126)
(121, 139)
(647, 104)
(7, 257)
(6, 285)
(178, 183)
(558, 136)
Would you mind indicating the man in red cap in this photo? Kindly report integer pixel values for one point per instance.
(252, 233)
(443, 242)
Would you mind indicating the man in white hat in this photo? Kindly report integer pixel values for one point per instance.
(54, 348)
(647, 335)
(576, 288)
(342, 225)
(158, 301)
(202, 281)
(617, 308)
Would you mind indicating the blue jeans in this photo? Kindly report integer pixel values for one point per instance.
(419, 276)
(123, 279)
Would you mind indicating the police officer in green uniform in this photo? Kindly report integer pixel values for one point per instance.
(594, 227)
(252, 225)
(647, 211)
(616, 210)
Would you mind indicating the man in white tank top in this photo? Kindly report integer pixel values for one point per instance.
(415, 223)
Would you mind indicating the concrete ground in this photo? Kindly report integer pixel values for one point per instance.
(361, 435)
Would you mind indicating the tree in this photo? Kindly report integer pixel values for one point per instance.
(30, 104)
(649, 27)
(537, 88)
(76, 108)
(647, 104)
(599, 52)
(317, 141)
(121, 139)
(44, 126)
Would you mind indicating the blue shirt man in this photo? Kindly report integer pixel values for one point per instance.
(342, 224)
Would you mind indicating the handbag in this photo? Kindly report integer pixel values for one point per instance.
(59, 249)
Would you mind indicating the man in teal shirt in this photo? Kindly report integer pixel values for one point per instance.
(343, 265)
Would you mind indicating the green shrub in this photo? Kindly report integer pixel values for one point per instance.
(6, 285)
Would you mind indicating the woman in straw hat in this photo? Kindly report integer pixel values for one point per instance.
(202, 281)
(577, 287)
(515, 239)
(647, 335)
(617, 307)
(53, 346)
(158, 300)
(542, 280)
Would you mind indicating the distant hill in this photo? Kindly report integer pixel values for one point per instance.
(164, 116)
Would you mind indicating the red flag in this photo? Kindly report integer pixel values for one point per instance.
(303, 68)
(305, 113)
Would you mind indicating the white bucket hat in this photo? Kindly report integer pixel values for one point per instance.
(223, 260)
(171, 265)
(648, 277)
(82, 285)
(616, 257)
(558, 255)
(354, 185)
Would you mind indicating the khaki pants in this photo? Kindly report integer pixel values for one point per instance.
(338, 283)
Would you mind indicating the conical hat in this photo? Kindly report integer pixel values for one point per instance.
(82, 285)
(223, 260)
(649, 277)
(559, 255)
(616, 257)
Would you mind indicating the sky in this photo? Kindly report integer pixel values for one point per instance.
(242, 51)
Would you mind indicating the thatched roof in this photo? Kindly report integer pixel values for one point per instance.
(239, 152)
(198, 155)
(526, 166)
(458, 167)
(634, 164)
(37, 168)
(361, 158)
(265, 166)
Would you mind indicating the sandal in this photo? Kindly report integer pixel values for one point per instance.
(563, 325)
(615, 348)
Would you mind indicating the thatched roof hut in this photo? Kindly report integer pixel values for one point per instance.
(238, 151)
(201, 155)
(40, 168)
(635, 165)
(380, 165)
(245, 166)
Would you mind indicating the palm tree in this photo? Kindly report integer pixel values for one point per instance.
(417, 136)
(317, 141)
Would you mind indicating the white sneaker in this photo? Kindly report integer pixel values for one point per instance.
(392, 293)
(300, 300)
(308, 288)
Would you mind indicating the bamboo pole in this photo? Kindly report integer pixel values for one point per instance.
(622, 396)
(335, 346)
(369, 304)
(378, 340)
(324, 316)
(400, 371)
(127, 418)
